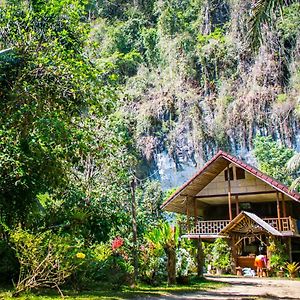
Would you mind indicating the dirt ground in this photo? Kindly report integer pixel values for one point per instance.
(241, 288)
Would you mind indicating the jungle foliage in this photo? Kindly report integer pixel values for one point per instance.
(92, 91)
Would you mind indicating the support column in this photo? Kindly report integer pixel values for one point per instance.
(234, 254)
(283, 205)
(195, 213)
(289, 246)
(229, 193)
(187, 214)
(278, 210)
(237, 208)
(200, 258)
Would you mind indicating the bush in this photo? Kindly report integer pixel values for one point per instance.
(278, 255)
(46, 259)
(185, 264)
(108, 262)
(152, 265)
(221, 258)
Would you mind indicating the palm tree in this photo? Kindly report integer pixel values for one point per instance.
(294, 165)
(261, 13)
(166, 237)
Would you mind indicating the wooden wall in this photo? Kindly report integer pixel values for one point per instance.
(249, 184)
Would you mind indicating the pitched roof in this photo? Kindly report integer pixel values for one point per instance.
(261, 225)
(209, 171)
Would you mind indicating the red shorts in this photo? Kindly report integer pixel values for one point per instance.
(259, 263)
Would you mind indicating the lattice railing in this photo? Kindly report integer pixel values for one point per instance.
(209, 227)
(214, 227)
(282, 224)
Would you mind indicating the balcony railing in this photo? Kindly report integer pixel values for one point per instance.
(214, 227)
(283, 224)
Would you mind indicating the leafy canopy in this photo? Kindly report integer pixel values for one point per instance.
(272, 158)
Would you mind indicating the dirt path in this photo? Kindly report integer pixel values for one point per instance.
(242, 288)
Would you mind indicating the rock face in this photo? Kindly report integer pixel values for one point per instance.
(209, 91)
(169, 175)
(173, 174)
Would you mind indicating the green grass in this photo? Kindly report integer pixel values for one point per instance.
(109, 292)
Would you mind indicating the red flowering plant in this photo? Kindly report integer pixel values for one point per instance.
(119, 267)
(117, 243)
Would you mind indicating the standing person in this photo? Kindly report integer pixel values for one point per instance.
(260, 263)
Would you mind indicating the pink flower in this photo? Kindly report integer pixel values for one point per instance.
(117, 243)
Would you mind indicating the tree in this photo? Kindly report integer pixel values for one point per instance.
(166, 237)
(48, 89)
(293, 165)
(272, 158)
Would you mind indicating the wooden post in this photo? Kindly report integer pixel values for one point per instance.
(200, 258)
(187, 214)
(229, 193)
(278, 210)
(237, 208)
(289, 246)
(283, 205)
(234, 254)
(134, 231)
(195, 213)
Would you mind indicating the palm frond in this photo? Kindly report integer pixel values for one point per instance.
(294, 163)
(163, 235)
(295, 184)
(261, 14)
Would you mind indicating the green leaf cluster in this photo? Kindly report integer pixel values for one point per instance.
(272, 158)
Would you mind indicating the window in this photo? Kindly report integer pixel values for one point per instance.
(240, 173)
(230, 174)
(245, 205)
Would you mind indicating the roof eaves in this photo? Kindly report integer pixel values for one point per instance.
(267, 179)
(180, 189)
(253, 217)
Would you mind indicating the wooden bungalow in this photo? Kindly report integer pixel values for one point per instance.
(229, 198)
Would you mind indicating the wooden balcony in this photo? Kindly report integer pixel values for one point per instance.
(284, 225)
(287, 226)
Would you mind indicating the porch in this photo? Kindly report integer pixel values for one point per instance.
(287, 226)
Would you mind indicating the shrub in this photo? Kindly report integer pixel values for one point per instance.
(278, 255)
(292, 268)
(152, 264)
(110, 262)
(46, 259)
(221, 254)
(185, 264)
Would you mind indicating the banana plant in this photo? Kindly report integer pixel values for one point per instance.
(166, 237)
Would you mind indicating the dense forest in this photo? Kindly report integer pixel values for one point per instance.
(194, 80)
(94, 93)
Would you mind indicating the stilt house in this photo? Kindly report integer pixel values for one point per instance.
(231, 199)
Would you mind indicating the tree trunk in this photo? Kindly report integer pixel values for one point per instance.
(134, 232)
(171, 265)
(200, 258)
